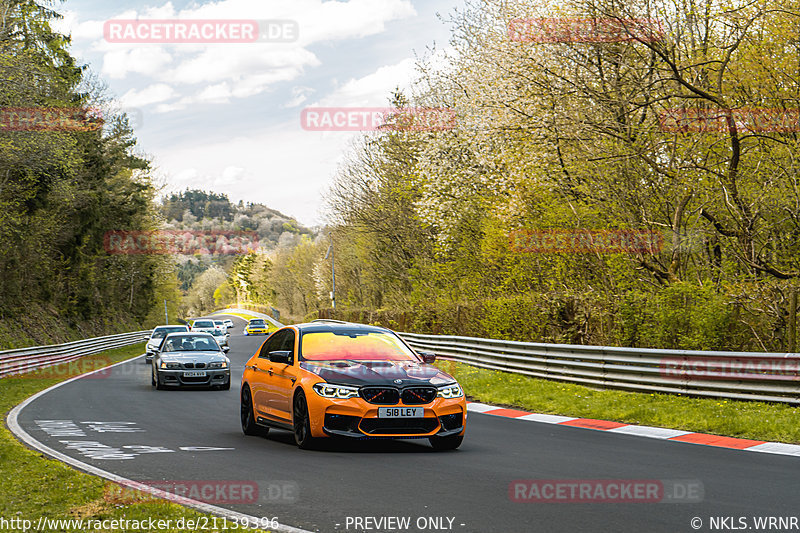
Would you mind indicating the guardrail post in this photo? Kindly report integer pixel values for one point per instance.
(792, 321)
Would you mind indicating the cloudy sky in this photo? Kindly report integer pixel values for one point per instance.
(226, 117)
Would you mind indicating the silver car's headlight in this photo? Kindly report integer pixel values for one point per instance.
(170, 365)
(340, 392)
(218, 364)
(450, 391)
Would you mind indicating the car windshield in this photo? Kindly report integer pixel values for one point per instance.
(190, 343)
(218, 333)
(257, 323)
(203, 324)
(160, 333)
(219, 323)
(354, 346)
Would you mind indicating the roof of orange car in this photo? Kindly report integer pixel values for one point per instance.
(336, 325)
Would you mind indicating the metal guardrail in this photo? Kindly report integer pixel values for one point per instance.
(735, 375)
(25, 360)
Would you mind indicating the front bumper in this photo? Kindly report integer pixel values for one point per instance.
(355, 418)
(213, 377)
(255, 332)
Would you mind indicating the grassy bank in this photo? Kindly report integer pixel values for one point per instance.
(39, 326)
(32, 486)
(750, 420)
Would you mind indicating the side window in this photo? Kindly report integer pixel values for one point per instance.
(288, 341)
(272, 344)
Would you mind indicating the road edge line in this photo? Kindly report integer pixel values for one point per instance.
(16, 429)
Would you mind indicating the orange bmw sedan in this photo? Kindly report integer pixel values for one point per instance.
(335, 379)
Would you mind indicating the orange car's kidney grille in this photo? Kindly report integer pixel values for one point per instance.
(419, 395)
(381, 395)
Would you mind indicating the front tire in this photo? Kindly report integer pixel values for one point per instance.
(446, 443)
(155, 381)
(249, 426)
(302, 423)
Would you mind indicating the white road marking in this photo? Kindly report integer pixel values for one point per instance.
(60, 428)
(776, 447)
(648, 431)
(203, 449)
(13, 425)
(476, 407)
(547, 419)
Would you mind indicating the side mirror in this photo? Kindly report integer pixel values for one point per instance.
(226, 349)
(428, 357)
(281, 356)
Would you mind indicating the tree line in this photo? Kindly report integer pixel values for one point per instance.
(681, 122)
(69, 173)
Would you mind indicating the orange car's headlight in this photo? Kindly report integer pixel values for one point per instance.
(340, 392)
(450, 391)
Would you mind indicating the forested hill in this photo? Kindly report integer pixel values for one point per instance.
(201, 210)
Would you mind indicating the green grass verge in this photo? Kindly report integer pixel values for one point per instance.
(748, 420)
(32, 485)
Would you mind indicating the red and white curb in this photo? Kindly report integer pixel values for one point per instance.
(641, 431)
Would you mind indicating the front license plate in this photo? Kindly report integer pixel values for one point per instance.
(194, 374)
(401, 412)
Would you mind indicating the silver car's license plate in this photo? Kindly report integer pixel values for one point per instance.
(194, 374)
(401, 412)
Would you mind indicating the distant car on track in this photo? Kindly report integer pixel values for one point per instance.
(191, 359)
(256, 326)
(221, 336)
(203, 325)
(228, 323)
(220, 324)
(157, 336)
(335, 379)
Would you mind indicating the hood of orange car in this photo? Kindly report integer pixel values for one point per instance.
(361, 373)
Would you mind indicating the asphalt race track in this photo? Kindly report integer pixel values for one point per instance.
(117, 422)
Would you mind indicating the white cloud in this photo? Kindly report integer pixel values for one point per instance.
(154, 94)
(149, 60)
(181, 178)
(251, 146)
(220, 93)
(269, 166)
(230, 176)
(248, 68)
(299, 96)
(373, 89)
